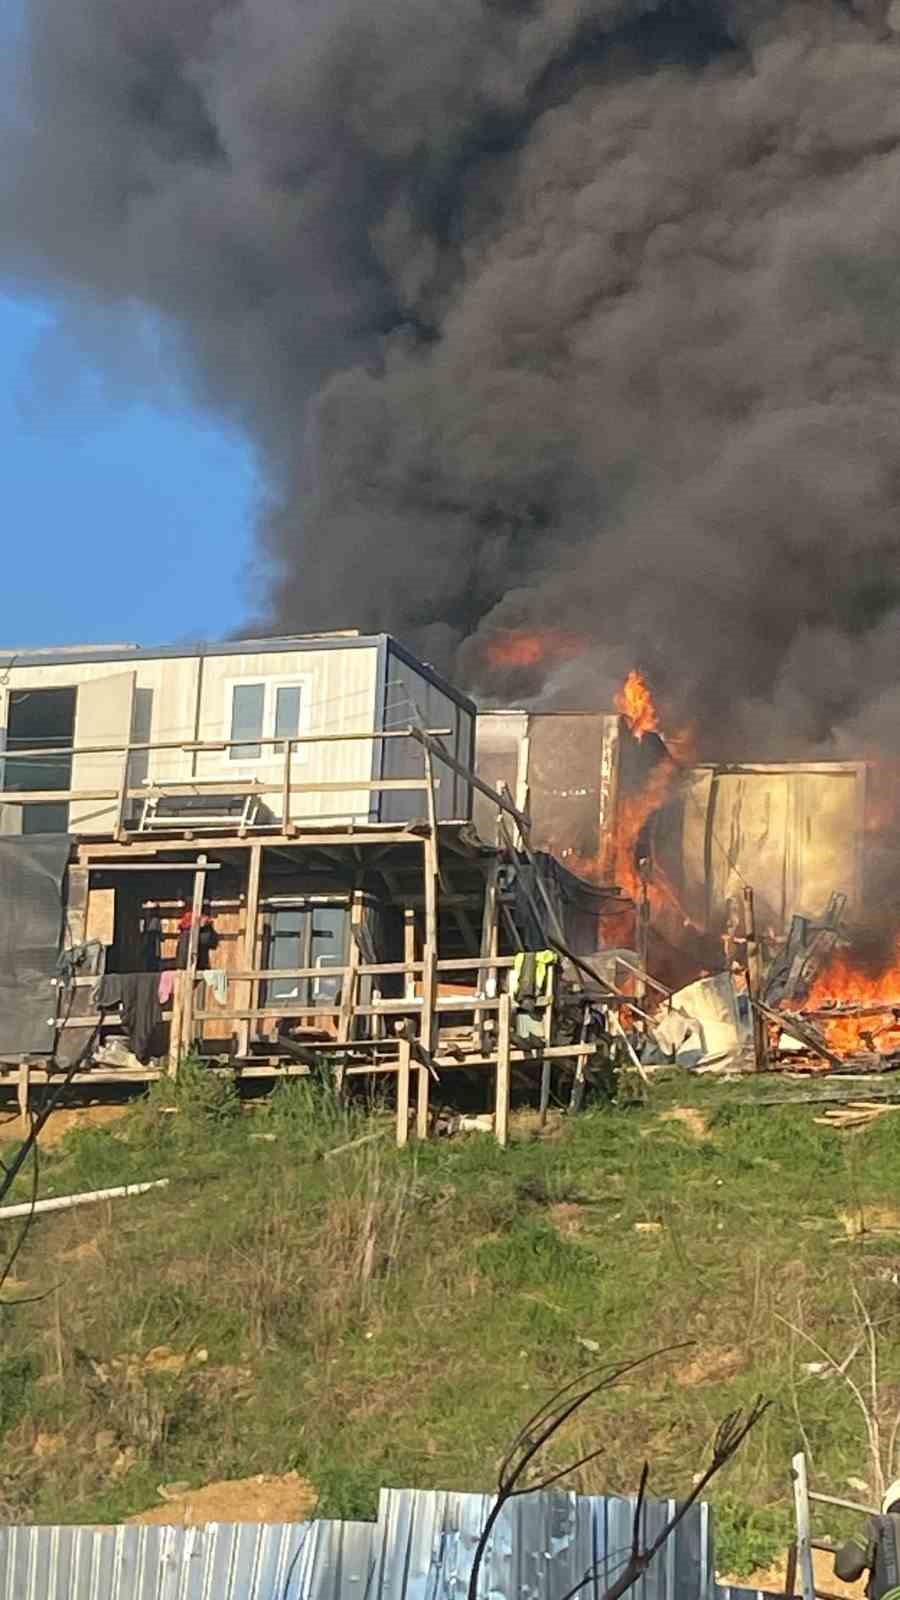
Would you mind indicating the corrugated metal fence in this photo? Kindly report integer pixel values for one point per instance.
(420, 1548)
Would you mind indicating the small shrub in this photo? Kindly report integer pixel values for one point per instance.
(17, 1378)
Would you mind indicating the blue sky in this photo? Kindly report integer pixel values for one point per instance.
(120, 518)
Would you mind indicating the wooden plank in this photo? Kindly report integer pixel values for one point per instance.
(101, 916)
(378, 969)
(175, 1025)
(754, 984)
(354, 836)
(422, 1107)
(190, 972)
(147, 866)
(377, 1008)
(217, 746)
(546, 1066)
(199, 786)
(430, 951)
(286, 788)
(248, 991)
(546, 1070)
(478, 963)
(347, 1007)
(409, 952)
(403, 1071)
(502, 1082)
(77, 882)
(490, 934)
(23, 1096)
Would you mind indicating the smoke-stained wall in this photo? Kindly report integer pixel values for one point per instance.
(569, 313)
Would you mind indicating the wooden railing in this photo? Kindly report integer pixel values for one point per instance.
(281, 781)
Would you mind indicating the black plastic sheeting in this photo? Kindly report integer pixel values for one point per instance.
(32, 873)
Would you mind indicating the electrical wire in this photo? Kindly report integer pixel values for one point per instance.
(30, 1145)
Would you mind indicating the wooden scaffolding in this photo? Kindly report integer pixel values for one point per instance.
(441, 1004)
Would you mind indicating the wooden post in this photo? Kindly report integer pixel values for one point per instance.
(123, 795)
(429, 952)
(286, 793)
(501, 1098)
(576, 1098)
(754, 984)
(190, 971)
(548, 1040)
(643, 932)
(409, 952)
(403, 1093)
(349, 985)
(249, 991)
(489, 939)
(175, 1025)
(24, 1086)
(351, 976)
(429, 980)
(422, 1110)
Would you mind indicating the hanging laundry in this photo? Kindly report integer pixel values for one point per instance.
(151, 940)
(136, 994)
(216, 981)
(82, 961)
(207, 940)
(529, 979)
(166, 987)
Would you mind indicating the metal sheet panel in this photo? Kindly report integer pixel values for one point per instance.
(421, 1548)
(794, 832)
(32, 870)
(542, 1546)
(565, 784)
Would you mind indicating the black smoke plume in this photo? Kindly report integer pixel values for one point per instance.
(569, 314)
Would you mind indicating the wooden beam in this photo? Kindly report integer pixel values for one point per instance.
(403, 1093)
(350, 980)
(430, 951)
(251, 936)
(175, 1025)
(754, 984)
(409, 951)
(141, 844)
(502, 1083)
(422, 1108)
(190, 971)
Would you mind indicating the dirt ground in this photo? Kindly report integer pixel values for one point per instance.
(288, 1498)
(61, 1122)
(772, 1578)
(693, 1120)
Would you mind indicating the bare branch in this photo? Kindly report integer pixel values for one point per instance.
(549, 1418)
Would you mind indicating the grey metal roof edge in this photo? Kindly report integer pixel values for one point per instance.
(116, 654)
(9, 660)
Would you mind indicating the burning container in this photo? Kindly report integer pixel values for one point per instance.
(794, 831)
(601, 798)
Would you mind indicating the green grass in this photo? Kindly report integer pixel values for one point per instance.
(391, 1317)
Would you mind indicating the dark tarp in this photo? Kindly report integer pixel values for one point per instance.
(32, 873)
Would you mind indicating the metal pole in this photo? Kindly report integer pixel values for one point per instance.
(801, 1513)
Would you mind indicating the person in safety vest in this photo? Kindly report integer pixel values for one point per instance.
(877, 1553)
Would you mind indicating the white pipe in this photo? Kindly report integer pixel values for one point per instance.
(64, 1201)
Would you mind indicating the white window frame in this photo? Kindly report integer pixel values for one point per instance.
(269, 755)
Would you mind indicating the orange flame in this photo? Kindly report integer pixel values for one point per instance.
(635, 702)
(846, 982)
(518, 648)
(634, 811)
